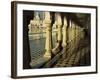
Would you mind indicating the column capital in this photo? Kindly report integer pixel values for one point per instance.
(47, 17)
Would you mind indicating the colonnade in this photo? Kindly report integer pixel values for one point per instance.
(67, 31)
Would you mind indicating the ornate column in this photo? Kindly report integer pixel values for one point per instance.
(76, 34)
(59, 24)
(59, 33)
(73, 32)
(69, 31)
(71, 36)
(38, 62)
(64, 42)
(65, 37)
(48, 43)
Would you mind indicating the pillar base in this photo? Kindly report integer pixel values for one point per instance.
(57, 49)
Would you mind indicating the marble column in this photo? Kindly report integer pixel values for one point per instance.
(48, 43)
(70, 31)
(64, 31)
(65, 37)
(38, 62)
(59, 24)
(59, 33)
(73, 32)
